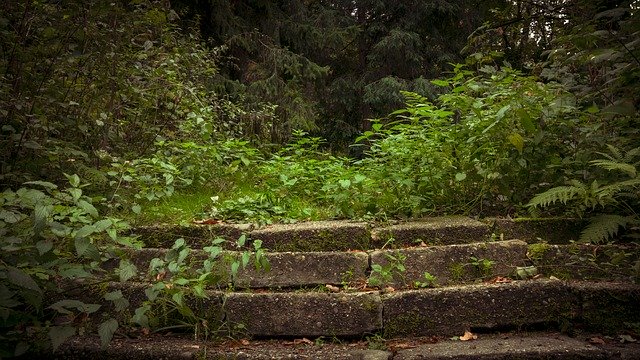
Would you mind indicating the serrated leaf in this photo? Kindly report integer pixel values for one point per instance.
(10, 217)
(60, 334)
(41, 217)
(140, 316)
(85, 231)
(74, 180)
(88, 208)
(82, 245)
(75, 193)
(106, 331)
(20, 278)
(44, 184)
(119, 301)
(126, 270)
(44, 246)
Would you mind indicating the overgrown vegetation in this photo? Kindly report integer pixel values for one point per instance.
(120, 112)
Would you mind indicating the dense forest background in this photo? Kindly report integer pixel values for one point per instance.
(130, 112)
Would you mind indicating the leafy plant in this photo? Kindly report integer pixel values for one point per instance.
(617, 197)
(426, 281)
(50, 237)
(382, 275)
(178, 283)
(483, 266)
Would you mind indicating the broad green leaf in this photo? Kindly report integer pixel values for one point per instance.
(126, 270)
(63, 306)
(241, 240)
(75, 193)
(345, 183)
(517, 141)
(234, 269)
(74, 180)
(106, 331)
(60, 334)
(178, 298)
(439, 82)
(82, 245)
(44, 246)
(181, 281)
(525, 120)
(137, 209)
(461, 176)
(178, 244)
(140, 316)
(10, 217)
(44, 184)
(88, 208)
(102, 225)
(245, 259)
(85, 231)
(20, 278)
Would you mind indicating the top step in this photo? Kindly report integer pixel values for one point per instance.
(325, 235)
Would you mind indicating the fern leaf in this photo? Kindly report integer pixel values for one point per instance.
(617, 154)
(631, 155)
(615, 188)
(603, 227)
(557, 194)
(614, 165)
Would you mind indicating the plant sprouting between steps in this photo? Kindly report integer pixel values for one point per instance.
(610, 205)
(181, 279)
(426, 281)
(384, 274)
(484, 267)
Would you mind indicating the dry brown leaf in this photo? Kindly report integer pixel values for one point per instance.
(389, 289)
(468, 336)
(302, 341)
(596, 340)
(332, 288)
(244, 342)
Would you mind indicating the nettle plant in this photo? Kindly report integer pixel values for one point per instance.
(180, 281)
(49, 238)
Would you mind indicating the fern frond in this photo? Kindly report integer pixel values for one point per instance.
(631, 155)
(557, 194)
(615, 188)
(602, 227)
(617, 154)
(614, 165)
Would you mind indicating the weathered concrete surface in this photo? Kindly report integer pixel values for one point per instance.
(444, 230)
(196, 236)
(551, 230)
(517, 347)
(448, 311)
(607, 307)
(305, 269)
(314, 236)
(587, 262)
(453, 264)
(305, 314)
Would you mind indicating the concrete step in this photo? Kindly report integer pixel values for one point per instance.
(506, 346)
(400, 268)
(317, 236)
(446, 311)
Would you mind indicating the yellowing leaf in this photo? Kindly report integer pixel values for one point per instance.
(468, 336)
(516, 140)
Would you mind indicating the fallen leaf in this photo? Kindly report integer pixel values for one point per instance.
(596, 341)
(332, 288)
(244, 342)
(468, 336)
(627, 338)
(389, 289)
(302, 341)
(500, 280)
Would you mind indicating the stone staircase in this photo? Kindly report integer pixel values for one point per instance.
(522, 290)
